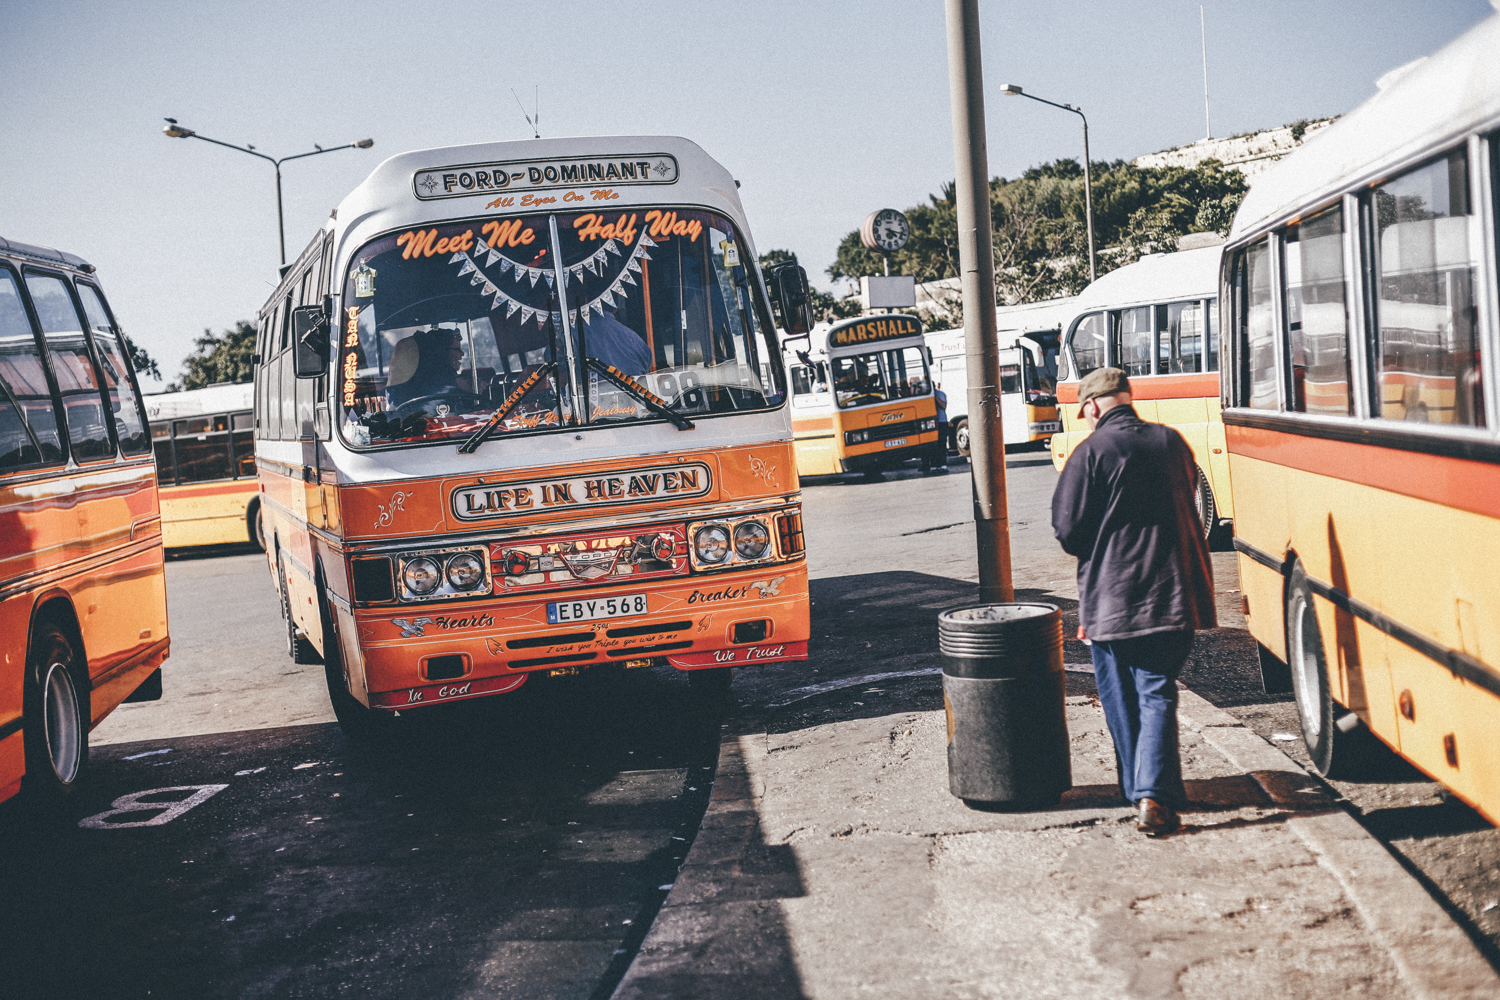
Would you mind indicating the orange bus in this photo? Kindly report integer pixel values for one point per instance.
(1156, 319)
(83, 601)
(520, 408)
(1362, 327)
(205, 465)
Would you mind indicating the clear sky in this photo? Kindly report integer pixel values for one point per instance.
(824, 111)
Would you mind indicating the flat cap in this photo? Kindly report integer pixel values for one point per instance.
(1101, 382)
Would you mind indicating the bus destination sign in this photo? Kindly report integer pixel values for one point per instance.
(466, 179)
(604, 489)
(875, 329)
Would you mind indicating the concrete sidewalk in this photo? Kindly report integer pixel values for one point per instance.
(832, 862)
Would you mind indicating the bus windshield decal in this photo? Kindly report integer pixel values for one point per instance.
(433, 183)
(467, 312)
(490, 500)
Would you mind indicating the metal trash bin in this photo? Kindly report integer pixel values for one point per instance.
(1003, 693)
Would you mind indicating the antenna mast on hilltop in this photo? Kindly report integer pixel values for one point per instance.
(1208, 126)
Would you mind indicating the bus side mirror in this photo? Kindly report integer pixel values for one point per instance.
(310, 340)
(789, 285)
(929, 356)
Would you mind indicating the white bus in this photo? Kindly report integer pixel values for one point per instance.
(1029, 337)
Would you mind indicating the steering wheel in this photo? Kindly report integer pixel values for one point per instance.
(459, 400)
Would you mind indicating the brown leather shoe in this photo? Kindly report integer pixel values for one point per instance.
(1157, 820)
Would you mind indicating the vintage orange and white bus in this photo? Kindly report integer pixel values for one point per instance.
(548, 432)
(863, 402)
(205, 465)
(83, 612)
(1362, 332)
(1156, 319)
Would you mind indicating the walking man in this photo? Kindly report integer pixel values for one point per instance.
(1124, 507)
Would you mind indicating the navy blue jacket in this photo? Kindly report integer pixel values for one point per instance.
(1124, 507)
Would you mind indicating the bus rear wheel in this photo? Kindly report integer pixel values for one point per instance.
(253, 527)
(1203, 503)
(1337, 751)
(55, 719)
(298, 647)
(961, 436)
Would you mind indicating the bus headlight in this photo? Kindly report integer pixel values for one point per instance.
(857, 437)
(421, 575)
(930, 424)
(712, 543)
(465, 571)
(751, 539)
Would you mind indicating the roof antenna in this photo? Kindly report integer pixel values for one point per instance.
(534, 123)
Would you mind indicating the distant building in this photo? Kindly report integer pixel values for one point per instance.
(1251, 154)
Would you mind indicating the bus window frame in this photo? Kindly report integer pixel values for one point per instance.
(93, 356)
(65, 444)
(130, 372)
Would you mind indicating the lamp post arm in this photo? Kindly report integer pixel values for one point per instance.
(330, 149)
(230, 145)
(1088, 185)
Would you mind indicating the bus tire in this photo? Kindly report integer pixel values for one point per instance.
(1203, 503)
(961, 436)
(55, 717)
(253, 527)
(360, 724)
(298, 646)
(1335, 753)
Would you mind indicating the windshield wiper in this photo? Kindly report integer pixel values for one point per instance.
(482, 435)
(653, 402)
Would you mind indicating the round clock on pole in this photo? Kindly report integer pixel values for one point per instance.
(885, 232)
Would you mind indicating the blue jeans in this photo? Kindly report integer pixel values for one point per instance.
(1137, 681)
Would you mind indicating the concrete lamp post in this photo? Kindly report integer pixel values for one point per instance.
(1014, 90)
(175, 131)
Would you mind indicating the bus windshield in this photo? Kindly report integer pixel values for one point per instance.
(881, 376)
(443, 325)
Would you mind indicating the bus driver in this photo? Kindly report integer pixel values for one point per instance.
(425, 364)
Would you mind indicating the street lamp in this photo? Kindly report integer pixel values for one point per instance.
(176, 131)
(1014, 90)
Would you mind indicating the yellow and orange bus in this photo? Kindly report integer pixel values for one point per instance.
(1156, 319)
(864, 402)
(83, 612)
(1362, 332)
(520, 409)
(205, 465)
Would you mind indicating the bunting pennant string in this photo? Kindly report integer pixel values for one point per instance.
(595, 264)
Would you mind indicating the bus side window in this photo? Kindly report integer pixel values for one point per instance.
(1256, 327)
(242, 431)
(1317, 318)
(28, 421)
(166, 462)
(77, 379)
(202, 446)
(289, 426)
(1010, 378)
(260, 378)
(124, 402)
(1212, 312)
(1179, 331)
(1428, 363)
(1132, 335)
(1087, 342)
(303, 389)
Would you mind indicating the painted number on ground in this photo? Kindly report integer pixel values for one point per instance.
(139, 802)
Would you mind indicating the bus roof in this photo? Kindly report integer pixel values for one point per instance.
(431, 185)
(1186, 274)
(46, 255)
(226, 397)
(1447, 95)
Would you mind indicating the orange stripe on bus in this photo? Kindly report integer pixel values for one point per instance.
(210, 490)
(1456, 483)
(1194, 386)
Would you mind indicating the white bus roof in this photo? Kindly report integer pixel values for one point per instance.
(427, 186)
(1451, 93)
(1186, 274)
(226, 398)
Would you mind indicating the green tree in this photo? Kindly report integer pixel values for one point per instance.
(219, 357)
(142, 362)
